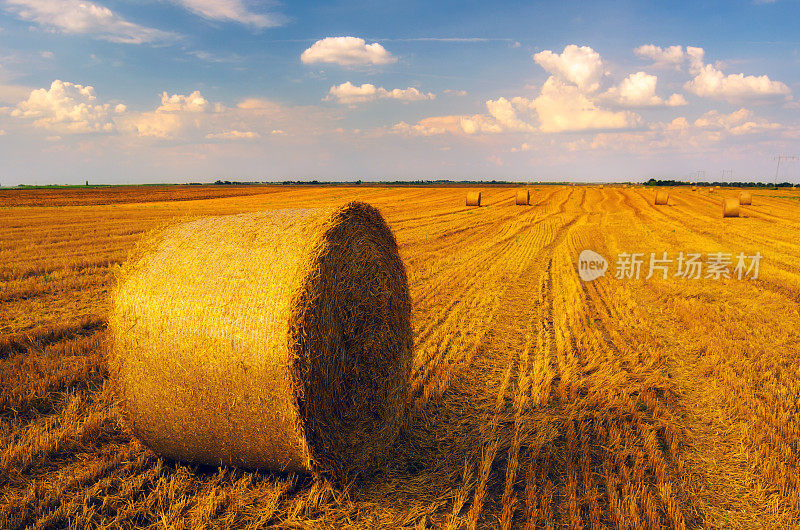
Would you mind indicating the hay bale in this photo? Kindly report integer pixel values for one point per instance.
(601, 186)
(694, 188)
(662, 197)
(745, 198)
(523, 198)
(473, 198)
(277, 340)
(730, 207)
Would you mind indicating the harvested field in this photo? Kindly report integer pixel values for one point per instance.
(538, 400)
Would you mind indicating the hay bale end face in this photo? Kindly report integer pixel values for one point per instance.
(745, 198)
(662, 197)
(730, 207)
(277, 340)
(473, 198)
(523, 198)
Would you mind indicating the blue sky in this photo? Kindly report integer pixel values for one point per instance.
(195, 90)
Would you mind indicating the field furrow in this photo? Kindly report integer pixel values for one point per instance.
(537, 399)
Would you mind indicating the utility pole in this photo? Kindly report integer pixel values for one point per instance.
(727, 173)
(783, 157)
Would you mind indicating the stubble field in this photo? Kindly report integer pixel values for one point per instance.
(537, 400)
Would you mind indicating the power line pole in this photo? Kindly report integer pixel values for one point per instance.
(783, 157)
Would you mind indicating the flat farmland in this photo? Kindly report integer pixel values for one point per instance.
(538, 399)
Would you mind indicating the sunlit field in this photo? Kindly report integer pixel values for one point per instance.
(538, 400)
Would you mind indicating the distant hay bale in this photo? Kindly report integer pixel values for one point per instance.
(745, 198)
(473, 198)
(730, 207)
(523, 197)
(277, 340)
(662, 197)
(601, 186)
(694, 188)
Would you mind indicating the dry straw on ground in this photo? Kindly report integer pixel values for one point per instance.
(473, 198)
(523, 198)
(745, 198)
(276, 340)
(662, 197)
(730, 207)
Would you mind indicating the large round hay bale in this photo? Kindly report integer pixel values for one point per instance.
(662, 197)
(730, 207)
(745, 198)
(277, 340)
(473, 198)
(523, 198)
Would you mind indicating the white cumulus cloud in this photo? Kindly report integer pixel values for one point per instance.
(580, 65)
(712, 83)
(503, 111)
(194, 102)
(562, 107)
(742, 121)
(435, 125)
(348, 93)
(347, 51)
(669, 56)
(79, 17)
(69, 108)
(696, 57)
(176, 113)
(230, 11)
(639, 90)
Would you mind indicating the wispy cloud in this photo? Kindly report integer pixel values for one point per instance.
(446, 39)
(231, 11)
(78, 17)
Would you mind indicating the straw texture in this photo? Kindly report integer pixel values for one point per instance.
(745, 198)
(730, 207)
(473, 198)
(523, 198)
(278, 340)
(662, 197)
